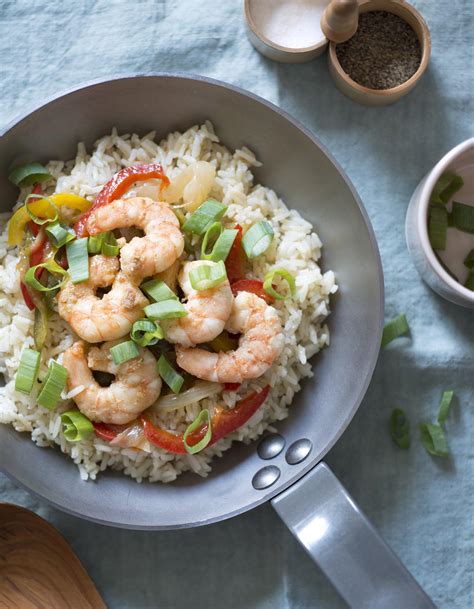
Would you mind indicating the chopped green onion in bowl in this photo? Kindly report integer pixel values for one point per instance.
(446, 186)
(463, 217)
(29, 174)
(396, 327)
(469, 260)
(78, 260)
(173, 379)
(257, 239)
(206, 214)
(206, 276)
(124, 352)
(202, 420)
(77, 427)
(53, 386)
(27, 370)
(437, 227)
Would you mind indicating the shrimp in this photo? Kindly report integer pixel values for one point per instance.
(208, 310)
(261, 342)
(111, 317)
(137, 384)
(193, 185)
(146, 256)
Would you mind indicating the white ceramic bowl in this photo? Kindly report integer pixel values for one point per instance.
(460, 160)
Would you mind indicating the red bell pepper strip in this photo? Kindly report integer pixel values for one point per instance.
(231, 386)
(26, 297)
(255, 286)
(235, 261)
(107, 432)
(223, 422)
(118, 185)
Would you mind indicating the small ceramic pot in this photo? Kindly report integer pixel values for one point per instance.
(383, 97)
(416, 227)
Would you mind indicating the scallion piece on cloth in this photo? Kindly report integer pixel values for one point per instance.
(433, 439)
(203, 418)
(27, 371)
(206, 277)
(123, 352)
(157, 290)
(394, 328)
(206, 214)
(173, 379)
(444, 405)
(78, 260)
(59, 234)
(400, 428)
(257, 239)
(52, 267)
(437, 227)
(447, 185)
(222, 245)
(51, 215)
(469, 284)
(463, 217)
(165, 309)
(28, 174)
(469, 260)
(53, 385)
(270, 278)
(77, 427)
(146, 332)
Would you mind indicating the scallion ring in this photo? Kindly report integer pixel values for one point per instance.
(400, 428)
(124, 352)
(51, 215)
(270, 278)
(433, 439)
(53, 385)
(394, 328)
(146, 332)
(52, 267)
(27, 371)
(206, 214)
(203, 419)
(59, 234)
(78, 260)
(463, 217)
(206, 277)
(211, 235)
(445, 405)
(437, 227)
(94, 245)
(109, 245)
(165, 309)
(157, 290)
(258, 239)
(28, 174)
(77, 427)
(469, 260)
(222, 245)
(173, 379)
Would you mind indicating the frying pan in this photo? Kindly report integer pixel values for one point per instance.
(286, 468)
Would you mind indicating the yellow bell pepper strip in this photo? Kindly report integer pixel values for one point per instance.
(42, 207)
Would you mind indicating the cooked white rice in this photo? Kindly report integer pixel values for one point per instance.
(296, 247)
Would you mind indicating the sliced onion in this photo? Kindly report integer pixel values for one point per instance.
(132, 437)
(200, 391)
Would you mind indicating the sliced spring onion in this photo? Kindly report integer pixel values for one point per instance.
(437, 227)
(157, 290)
(179, 214)
(173, 379)
(203, 419)
(211, 235)
(257, 239)
(53, 385)
(400, 428)
(270, 278)
(394, 328)
(434, 440)
(221, 247)
(94, 245)
(448, 184)
(28, 174)
(206, 277)
(59, 234)
(463, 217)
(444, 406)
(469, 260)
(40, 327)
(469, 284)
(52, 267)
(109, 245)
(165, 309)
(124, 352)
(206, 214)
(78, 260)
(27, 371)
(77, 427)
(50, 214)
(200, 391)
(146, 332)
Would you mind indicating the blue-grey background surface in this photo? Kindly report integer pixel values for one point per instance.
(423, 506)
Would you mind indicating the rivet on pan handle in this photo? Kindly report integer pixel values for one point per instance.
(339, 538)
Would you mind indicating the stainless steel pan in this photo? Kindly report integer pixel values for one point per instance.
(301, 488)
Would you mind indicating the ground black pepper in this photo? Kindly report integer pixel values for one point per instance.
(383, 53)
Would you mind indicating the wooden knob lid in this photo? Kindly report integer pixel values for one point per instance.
(340, 20)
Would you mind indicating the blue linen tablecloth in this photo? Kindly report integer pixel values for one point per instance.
(423, 506)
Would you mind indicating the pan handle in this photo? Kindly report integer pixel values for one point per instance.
(343, 543)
